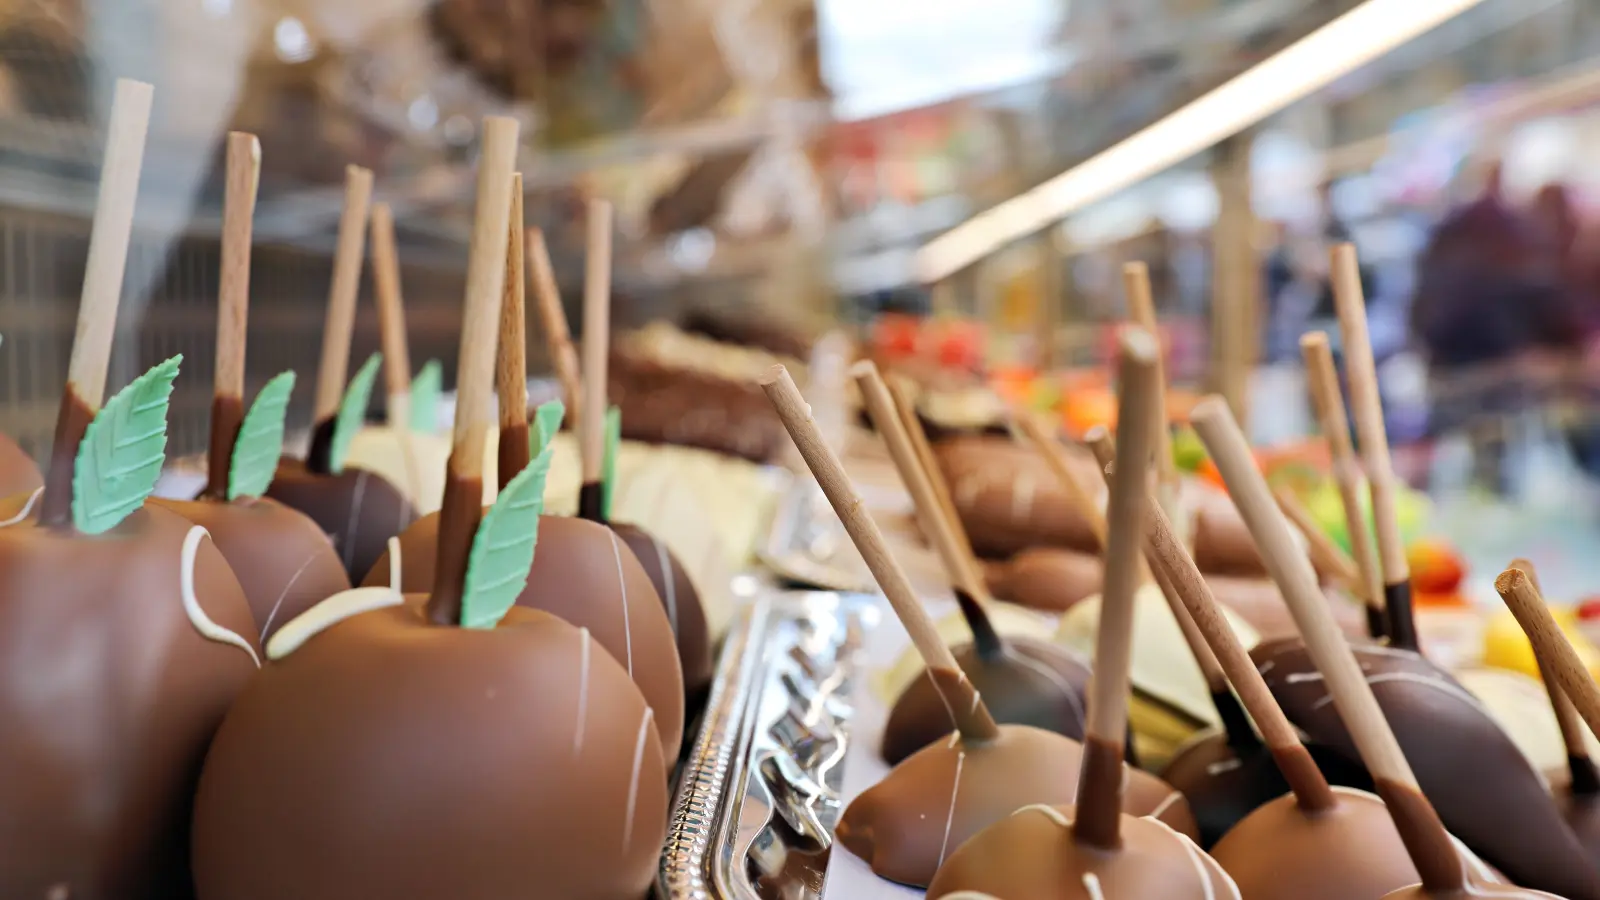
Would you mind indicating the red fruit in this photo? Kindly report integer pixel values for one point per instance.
(1436, 568)
(1589, 608)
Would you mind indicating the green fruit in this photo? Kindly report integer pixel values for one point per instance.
(1412, 510)
(1187, 451)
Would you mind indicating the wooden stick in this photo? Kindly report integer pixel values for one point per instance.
(233, 305)
(1142, 310)
(342, 294)
(596, 339)
(1364, 397)
(972, 716)
(1325, 554)
(391, 315)
(903, 403)
(1098, 823)
(553, 319)
(480, 318)
(511, 369)
(1055, 456)
(1328, 401)
(1572, 736)
(1429, 844)
(109, 236)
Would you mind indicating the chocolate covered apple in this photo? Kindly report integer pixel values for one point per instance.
(585, 575)
(358, 509)
(445, 746)
(282, 559)
(18, 472)
(124, 636)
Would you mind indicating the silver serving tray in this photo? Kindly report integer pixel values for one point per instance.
(807, 545)
(760, 793)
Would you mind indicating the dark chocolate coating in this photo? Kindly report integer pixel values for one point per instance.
(906, 824)
(109, 697)
(358, 510)
(681, 600)
(1033, 683)
(1031, 855)
(1224, 784)
(391, 758)
(1280, 852)
(583, 574)
(1482, 786)
(1400, 624)
(284, 562)
(18, 472)
(1581, 811)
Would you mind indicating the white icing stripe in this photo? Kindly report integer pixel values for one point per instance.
(1164, 805)
(1267, 666)
(969, 895)
(335, 609)
(351, 523)
(1437, 684)
(1204, 865)
(622, 583)
(664, 561)
(1049, 812)
(202, 623)
(394, 565)
(950, 818)
(1226, 765)
(26, 509)
(1302, 677)
(633, 783)
(583, 691)
(278, 604)
(1091, 883)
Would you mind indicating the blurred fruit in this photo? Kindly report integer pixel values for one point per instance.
(1436, 568)
(1411, 508)
(1589, 609)
(958, 344)
(1506, 647)
(1084, 410)
(895, 334)
(1187, 450)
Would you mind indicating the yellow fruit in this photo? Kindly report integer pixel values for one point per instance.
(1506, 647)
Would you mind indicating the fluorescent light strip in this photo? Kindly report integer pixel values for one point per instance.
(1332, 51)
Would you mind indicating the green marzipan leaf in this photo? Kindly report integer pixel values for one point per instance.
(352, 412)
(608, 462)
(260, 442)
(546, 423)
(122, 451)
(502, 550)
(425, 390)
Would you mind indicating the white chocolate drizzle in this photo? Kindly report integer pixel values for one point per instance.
(1052, 676)
(1200, 861)
(202, 623)
(622, 583)
(1091, 883)
(283, 594)
(950, 818)
(26, 509)
(335, 609)
(353, 523)
(1164, 805)
(1049, 812)
(583, 690)
(664, 561)
(633, 784)
(1223, 765)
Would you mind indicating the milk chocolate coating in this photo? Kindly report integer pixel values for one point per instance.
(109, 697)
(391, 758)
(1259, 603)
(1046, 578)
(1505, 892)
(358, 510)
(1280, 852)
(583, 574)
(284, 562)
(1029, 682)
(681, 600)
(1482, 786)
(1031, 855)
(18, 473)
(917, 816)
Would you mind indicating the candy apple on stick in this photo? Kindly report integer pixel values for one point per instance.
(583, 574)
(1095, 848)
(124, 636)
(358, 508)
(281, 557)
(933, 801)
(447, 746)
(1446, 869)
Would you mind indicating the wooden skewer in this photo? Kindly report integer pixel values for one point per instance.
(972, 716)
(1142, 310)
(233, 307)
(1429, 844)
(392, 330)
(930, 464)
(1055, 456)
(342, 293)
(109, 236)
(1364, 397)
(1327, 555)
(1098, 823)
(511, 367)
(596, 345)
(480, 320)
(1585, 779)
(1328, 401)
(553, 319)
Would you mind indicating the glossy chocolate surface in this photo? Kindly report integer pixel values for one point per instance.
(1046, 578)
(391, 758)
(109, 697)
(282, 559)
(18, 472)
(358, 510)
(1280, 852)
(1479, 782)
(930, 804)
(681, 600)
(581, 573)
(1031, 855)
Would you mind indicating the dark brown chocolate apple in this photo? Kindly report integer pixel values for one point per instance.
(391, 757)
(681, 600)
(906, 825)
(358, 510)
(283, 560)
(119, 655)
(583, 574)
(1581, 811)
(1030, 855)
(18, 472)
(1485, 791)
